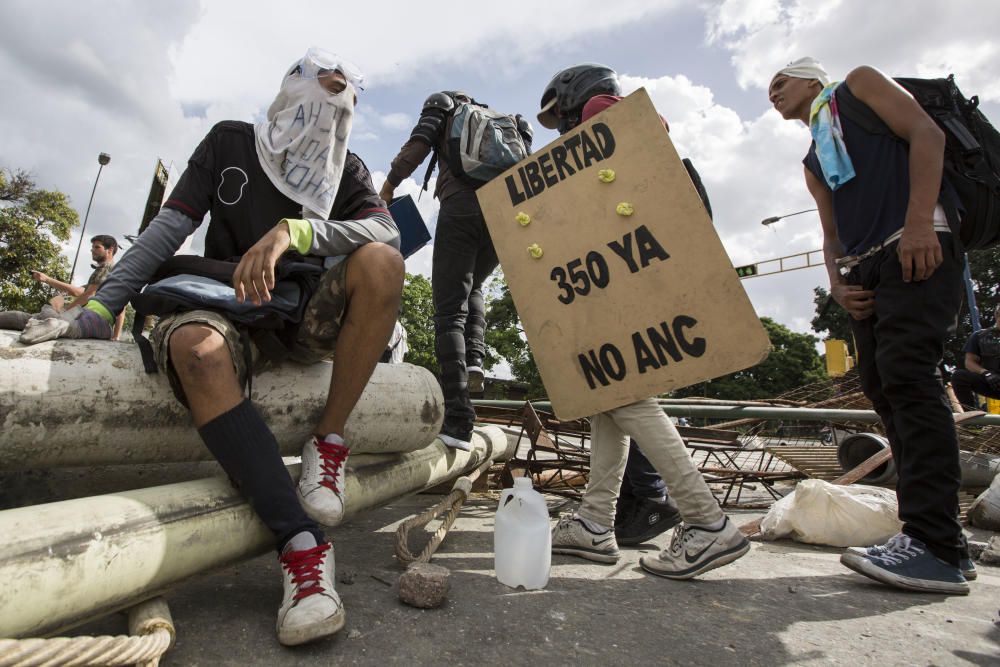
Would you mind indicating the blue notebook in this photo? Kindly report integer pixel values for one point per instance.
(412, 230)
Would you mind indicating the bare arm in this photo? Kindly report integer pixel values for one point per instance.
(972, 363)
(919, 250)
(84, 296)
(65, 288)
(856, 301)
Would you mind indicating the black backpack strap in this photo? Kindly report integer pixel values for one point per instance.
(145, 348)
(430, 170)
(859, 112)
(247, 359)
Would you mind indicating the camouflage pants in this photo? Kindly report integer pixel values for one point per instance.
(315, 341)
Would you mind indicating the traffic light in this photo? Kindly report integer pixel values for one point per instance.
(746, 271)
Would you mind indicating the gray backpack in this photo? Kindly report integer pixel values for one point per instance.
(482, 143)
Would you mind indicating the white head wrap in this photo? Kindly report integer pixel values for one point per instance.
(302, 146)
(805, 68)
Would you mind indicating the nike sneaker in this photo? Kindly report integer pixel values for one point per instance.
(572, 537)
(694, 550)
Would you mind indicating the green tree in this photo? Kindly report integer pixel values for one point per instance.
(831, 319)
(984, 265)
(417, 316)
(32, 223)
(505, 338)
(793, 362)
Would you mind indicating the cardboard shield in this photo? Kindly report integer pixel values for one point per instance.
(621, 282)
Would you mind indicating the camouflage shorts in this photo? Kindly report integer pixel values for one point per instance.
(316, 338)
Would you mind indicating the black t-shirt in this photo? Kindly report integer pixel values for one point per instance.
(985, 344)
(224, 178)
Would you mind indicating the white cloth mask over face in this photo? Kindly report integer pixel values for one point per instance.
(303, 145)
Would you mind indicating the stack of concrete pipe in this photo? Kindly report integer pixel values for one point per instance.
(89, 403)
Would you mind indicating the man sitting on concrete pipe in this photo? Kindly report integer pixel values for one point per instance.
(287, 188)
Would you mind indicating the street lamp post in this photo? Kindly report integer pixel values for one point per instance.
(775, 218)
(102, 160)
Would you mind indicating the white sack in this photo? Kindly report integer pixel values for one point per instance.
(818, 512)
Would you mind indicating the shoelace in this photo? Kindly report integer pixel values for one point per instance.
(332, 457)
(304, 567)
(879, 549)
(899, 549)
(681, 535)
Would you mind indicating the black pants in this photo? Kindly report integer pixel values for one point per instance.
(900, 348)
(641, 479)
(965, 383)
(463, 258)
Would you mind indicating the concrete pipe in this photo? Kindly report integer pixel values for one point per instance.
(858, 448)
(82, 402)
(65, 563)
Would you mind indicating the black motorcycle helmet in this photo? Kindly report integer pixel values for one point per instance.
(570, 89)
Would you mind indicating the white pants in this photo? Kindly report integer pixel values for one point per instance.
(661, 444)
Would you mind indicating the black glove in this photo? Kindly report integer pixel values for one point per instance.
(993, 380)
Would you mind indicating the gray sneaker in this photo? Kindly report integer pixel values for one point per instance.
(965, 565)
(905, 562)
(695, 549)
(573, 538)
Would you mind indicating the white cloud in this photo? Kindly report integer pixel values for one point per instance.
(395, 121)
(918, 37)
(752, 170)
(215, 60)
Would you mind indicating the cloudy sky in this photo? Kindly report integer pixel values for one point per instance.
(144, 80)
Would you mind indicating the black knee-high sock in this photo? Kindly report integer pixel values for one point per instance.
(247, 450)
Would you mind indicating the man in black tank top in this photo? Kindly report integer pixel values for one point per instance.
(899, 278)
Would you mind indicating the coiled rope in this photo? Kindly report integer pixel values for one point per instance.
(152, 633)
(450, 506)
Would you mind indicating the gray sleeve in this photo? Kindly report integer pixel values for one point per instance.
(159, 242)
(342, 237)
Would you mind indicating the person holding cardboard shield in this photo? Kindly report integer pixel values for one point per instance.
(895, 267)
(706, 539)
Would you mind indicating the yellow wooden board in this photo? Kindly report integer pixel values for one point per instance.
(618, 307)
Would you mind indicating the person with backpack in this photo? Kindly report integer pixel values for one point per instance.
(894, 266)
(284, 191)
(706, 538)
(463, 250)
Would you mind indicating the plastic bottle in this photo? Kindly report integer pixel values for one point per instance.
(522, 542)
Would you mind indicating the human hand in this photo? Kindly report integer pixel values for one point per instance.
(73, 323)
(40, 277)
(385, 194)
(993, 380)
(859, 303)
(254, 275)
(919, 252)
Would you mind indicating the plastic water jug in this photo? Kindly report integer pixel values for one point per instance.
(522, 543)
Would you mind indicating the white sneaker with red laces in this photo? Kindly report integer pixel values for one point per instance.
(310, 608)
(321, 486)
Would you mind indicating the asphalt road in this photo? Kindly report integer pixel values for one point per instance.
(783, 603)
